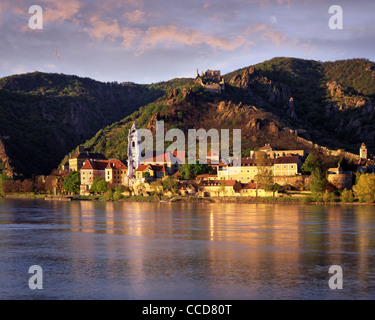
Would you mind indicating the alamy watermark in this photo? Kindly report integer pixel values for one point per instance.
(219, 144)
(36, 20)
(337, 20)
(336, 281)
(36, 280)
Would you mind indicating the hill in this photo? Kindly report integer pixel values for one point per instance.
(288, 102)
(43, 116)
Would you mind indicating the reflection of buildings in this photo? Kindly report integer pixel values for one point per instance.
(233, 245)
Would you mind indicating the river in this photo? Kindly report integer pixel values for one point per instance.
(121, 250)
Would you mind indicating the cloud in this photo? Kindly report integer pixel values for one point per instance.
(101, 30)
(256, 28)
(276, 37)
(136, 16)
(172, 34)
(60, 10)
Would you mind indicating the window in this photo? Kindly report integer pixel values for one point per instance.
(292, 166)
(284, 166)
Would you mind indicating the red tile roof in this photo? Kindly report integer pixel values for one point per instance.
(101, 165)
(267, 147)
(156, 168)
(202, 176)
(286, 160)
(143, 167)
(250, 186)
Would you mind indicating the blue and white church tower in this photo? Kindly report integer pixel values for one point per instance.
(134, 150)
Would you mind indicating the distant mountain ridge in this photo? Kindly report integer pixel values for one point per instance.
(288, 102)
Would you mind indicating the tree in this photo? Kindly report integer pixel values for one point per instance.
(99, 186)
(317, 181)
(364, 190)
(170, 184)
(264, 177)
(190, 171)
(27, 186)
(72, 182)
(3, 178)
(186, 171)
(347, 196)
(311, 163)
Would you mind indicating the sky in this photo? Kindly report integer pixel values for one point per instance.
(147, 41)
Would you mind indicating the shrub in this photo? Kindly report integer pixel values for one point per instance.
(347, 196)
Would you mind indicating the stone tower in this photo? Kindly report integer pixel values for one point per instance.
(134, 150)
(363, 152)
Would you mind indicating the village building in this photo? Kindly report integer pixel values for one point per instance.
(151, 171)
(254, 190)
(339, 178)
(217, 188)
(287, 166)
(171, 161)
(244, 174)
(78, 159)
(115, 172)
(273, 153)
(112, 171)
(206, 177)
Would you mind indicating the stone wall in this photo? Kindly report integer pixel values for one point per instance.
(341, 181)
(295, 181)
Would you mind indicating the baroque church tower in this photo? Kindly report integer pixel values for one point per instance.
(134, 150)
(363, 152)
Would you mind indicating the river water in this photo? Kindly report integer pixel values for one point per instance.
(98, 250)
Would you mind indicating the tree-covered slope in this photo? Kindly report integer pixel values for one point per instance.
(43, 116)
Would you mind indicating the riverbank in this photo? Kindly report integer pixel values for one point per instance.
(176, 199)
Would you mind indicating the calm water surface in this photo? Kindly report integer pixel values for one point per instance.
(185, 251)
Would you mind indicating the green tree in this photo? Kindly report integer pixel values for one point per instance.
(311, 163)
(190, 171)
(317, 181)
(347, 196)
(72, 182)
(3, 178)
(327, 196)
(170, 184)
(99, 186)
(364, 190)
(264, 177)
(186, 171)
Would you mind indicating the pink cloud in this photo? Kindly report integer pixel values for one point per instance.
(136, 16)
(60, 11)
(276, 37)
(256, 28)
(172, 34)
(100, 30)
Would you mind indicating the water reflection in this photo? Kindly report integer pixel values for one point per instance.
(194, 251)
